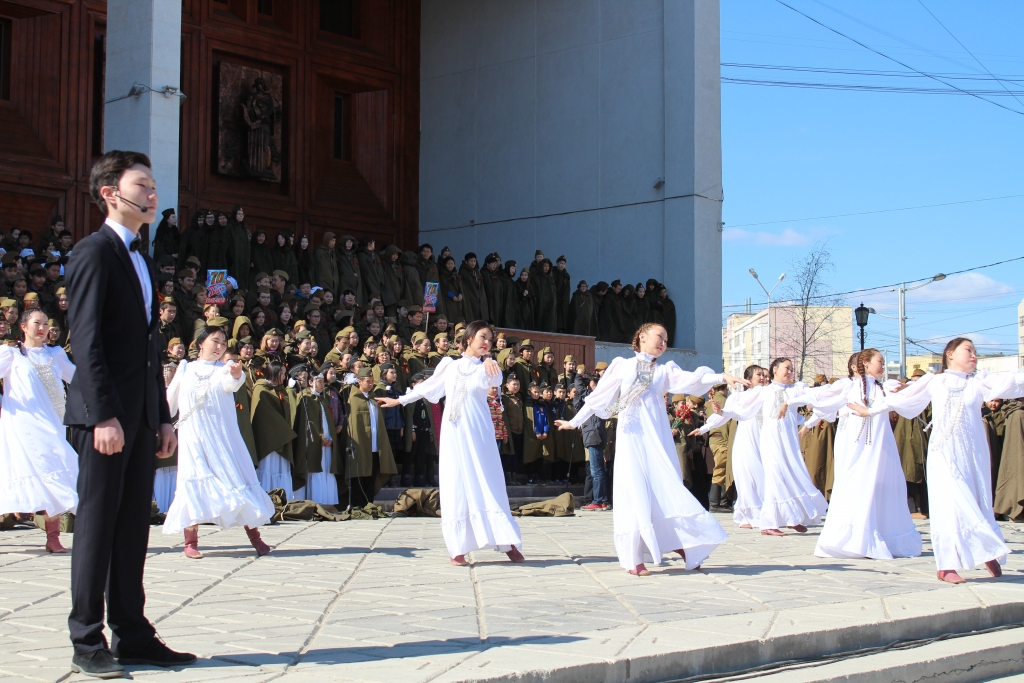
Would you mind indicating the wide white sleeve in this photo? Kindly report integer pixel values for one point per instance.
(65, 368)
(486, 381)
(228, 383)
(698, 382)
(909, 402)
(600, 401)
(6, 359)
(743, 405)
(174, 388)
(1000, 384)
(432, 388)
(714, 422)
(828, 398)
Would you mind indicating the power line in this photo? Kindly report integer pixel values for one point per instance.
(882, 287)
(986, 329)
(862, 87)
(866, 213)
(893, 59)
(965, 48)
(868, 72)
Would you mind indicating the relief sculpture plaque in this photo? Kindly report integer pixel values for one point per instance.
(249, 122)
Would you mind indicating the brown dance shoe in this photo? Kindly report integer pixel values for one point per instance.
(257, 542)
(53, 536)
(993, 568)
(950, 576)
(515, 555)
(799, 528)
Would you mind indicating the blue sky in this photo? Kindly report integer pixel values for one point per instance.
(793, 153)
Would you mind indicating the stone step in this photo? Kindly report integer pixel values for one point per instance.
(959, 659)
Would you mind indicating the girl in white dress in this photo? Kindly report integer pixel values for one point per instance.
(474, 504)
(217, 483)
(868, 514)
(747, 470)
(790, 498)
(654, 514)
(38, 467)
(964, 531)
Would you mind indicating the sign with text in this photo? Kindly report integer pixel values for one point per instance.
(217, 287)
(430, 298)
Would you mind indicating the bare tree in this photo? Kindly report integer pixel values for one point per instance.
(812, 317)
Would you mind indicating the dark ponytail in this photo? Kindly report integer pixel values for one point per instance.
(776, 363)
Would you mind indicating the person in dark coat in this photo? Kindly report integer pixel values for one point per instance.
(167, 239)
(582, 317)
(238, 247)
(198, 244)
(633, 315)
(325, 260)
(668, 313)
(612, 321)
(475, 302)
(526, 301)
(394, 278)
(349, 272)
(493, 281)
(413, 284)
(304, 254)
(284, 255)
(426, 266)
(546, 310)
(217, 248)
(450, 292)
(371, 270)
(261, 256)
(563, 290)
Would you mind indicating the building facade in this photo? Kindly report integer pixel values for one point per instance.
(818, 339)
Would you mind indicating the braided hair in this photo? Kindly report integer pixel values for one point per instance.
(644, 329)
(851, 364)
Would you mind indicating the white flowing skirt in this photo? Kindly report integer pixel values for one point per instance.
(964, 531)
(38, 467)
(322, 487)
(868, 515)
(475, 513)
(276, 473)
(654, 514)
(748, 473)
(790, 498)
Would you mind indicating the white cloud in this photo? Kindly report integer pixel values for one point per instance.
(787, 238)
(961, 288)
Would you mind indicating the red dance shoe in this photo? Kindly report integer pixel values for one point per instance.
(950, 576)
(515, 555)
(640, 570)
(257, 542)
(771, 532)
(993, 568)
(53, 536)
(192, 544)
(799, 528)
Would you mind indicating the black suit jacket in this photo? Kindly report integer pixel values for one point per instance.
(116, 352)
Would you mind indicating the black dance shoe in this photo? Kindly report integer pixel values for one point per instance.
(98, 664)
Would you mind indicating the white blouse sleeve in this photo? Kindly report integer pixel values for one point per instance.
(1000, 384)
(600, 401)
(698, 382)
(909, 402)
(743, 405)
(174, 388)
(828, 398)
(432, 388)
(65, 368)
(228, 383)
(6, 359)
(714, 422)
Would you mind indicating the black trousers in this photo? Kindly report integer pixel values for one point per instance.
(416, 463)
(365, 488)
(115, 494)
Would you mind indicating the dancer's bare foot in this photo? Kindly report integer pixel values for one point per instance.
(771, 532)
(515, 555)
(640, 570)
(460, 561)
(993, 568)
(746, 526)
(799, 528)
(950, 576)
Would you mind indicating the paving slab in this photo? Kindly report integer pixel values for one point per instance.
(376, 600)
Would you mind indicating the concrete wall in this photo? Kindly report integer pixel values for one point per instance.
(546, 125)
(144, 46)
(687, 360)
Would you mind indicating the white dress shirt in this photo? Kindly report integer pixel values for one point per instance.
(141, 269)
(373, 423)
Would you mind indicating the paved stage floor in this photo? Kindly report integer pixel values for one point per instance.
(378, 601)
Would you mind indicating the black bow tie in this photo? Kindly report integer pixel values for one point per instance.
(134, 246)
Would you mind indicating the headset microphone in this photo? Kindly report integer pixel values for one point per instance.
(143, 209)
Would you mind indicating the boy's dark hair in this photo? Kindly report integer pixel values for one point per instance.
(107, 172)
(168, 304)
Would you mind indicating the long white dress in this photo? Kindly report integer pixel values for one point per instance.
(217, 483)
(868, 514)
(964, 531)
(322, 487)
(474, 504)
(790, 498)
(654, 514)
(747, 470)
(38, 467)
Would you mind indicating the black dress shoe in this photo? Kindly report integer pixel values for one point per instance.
(98, 664)
(156, 653)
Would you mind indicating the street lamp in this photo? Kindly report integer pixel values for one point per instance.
(903, 289)
(768, 293)
(861, 313)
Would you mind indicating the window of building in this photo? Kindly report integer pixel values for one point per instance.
(5, 59)
(338, 17)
